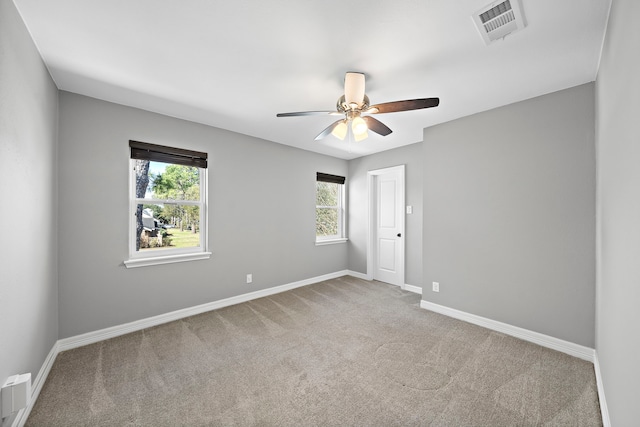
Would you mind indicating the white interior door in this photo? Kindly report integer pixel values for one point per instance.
(387, 191)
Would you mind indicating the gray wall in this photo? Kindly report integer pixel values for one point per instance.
(618, 152)
(509, 214)
(28, 187)
(261, 217)
(411, 156)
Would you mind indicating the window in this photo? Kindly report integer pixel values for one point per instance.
(329, 208)
(168, 205)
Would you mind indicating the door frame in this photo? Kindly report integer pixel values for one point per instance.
(371, 219)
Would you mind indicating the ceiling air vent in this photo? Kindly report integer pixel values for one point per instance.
(497, 20)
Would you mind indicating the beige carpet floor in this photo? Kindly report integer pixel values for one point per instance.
(344, 352)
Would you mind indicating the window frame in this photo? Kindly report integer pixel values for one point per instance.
(340, 237)
(163, 154)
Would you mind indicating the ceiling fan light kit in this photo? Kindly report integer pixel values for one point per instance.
(340, 131)
(359, 126)
(360, 136)
(354, 103)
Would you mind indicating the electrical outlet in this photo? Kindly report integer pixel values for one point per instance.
(435, 286)
(249, 278)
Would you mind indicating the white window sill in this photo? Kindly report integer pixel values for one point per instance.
(169, 259)
(331, 241)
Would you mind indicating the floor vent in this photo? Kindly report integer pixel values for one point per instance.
(497, 20)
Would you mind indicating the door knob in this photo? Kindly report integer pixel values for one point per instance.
(399, 234)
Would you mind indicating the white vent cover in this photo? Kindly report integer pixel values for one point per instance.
(499, 19)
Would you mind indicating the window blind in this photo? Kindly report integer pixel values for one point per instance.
(325, 177)
(160, 153)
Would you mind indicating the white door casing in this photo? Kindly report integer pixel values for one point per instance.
(385, 249)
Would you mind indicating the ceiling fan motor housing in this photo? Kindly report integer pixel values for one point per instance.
(344, 107)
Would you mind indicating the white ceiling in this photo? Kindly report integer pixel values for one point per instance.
(234, 64)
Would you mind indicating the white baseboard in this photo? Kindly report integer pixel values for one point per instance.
(115, 331)
(358, 275)
(406, 287)
(36, 386)
(604, 410)
(412, 288)
(563, 346)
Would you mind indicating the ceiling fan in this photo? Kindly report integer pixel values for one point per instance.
(354, 103)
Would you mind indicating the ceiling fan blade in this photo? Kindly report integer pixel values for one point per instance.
(310, 113)
(354, 88)
(407, 105)
(328, 130)
(377, 126)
